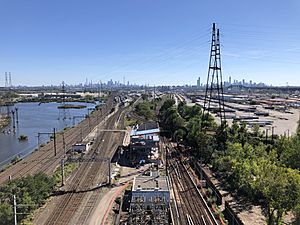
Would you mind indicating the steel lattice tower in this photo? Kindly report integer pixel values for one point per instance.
(64, 113)
(6, 79)
(214, 87)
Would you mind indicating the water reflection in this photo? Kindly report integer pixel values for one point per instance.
(34, 118)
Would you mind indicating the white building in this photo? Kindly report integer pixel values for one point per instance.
(148, 189)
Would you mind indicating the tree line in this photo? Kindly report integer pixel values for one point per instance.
(263, 169)
(31, 193)
(147, 107)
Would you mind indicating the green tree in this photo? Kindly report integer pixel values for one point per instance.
(280, 188)
(6, 214)
(166, 105)
(289, 151)
(30, 192)
(208, 122)
(221, 137)
(187, 112)
(145, 109)
(243, 134)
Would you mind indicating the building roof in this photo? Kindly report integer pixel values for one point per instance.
(149, 183)
(84, 143)
(144, 132)
(147, 126)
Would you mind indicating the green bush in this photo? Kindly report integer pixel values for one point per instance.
(30, 191)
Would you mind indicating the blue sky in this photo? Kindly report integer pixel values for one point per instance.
(147, 41)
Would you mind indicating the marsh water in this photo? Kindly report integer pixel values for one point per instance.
(34, 118)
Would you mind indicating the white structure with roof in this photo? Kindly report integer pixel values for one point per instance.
(148, 188)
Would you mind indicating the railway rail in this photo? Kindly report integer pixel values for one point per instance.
(44, 160)
(84, 180)
(192, 208)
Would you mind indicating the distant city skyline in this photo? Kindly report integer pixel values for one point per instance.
(157, 43)
(243, 82)
(117, 83)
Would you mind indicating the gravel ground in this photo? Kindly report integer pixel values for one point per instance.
(102, 212)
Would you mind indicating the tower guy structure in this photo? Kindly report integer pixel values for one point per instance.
(8, 83)
(64, 112)
(214, 93)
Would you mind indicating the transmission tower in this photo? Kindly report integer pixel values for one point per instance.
(63, 90)
(6, 79)
(214, 87)
(10, 83)
(64, 112)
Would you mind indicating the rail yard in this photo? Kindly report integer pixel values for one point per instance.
(80, 194)
(150, 113)
(191, 206)
(170, 191)
(44, 159)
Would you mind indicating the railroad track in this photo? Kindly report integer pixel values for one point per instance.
(85, 178)
(44, 160)
(92, 199)
(192, 208)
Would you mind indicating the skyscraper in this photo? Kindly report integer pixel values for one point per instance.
(198, 83)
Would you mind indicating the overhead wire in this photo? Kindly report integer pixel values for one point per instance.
(159, 54)
(185, 50)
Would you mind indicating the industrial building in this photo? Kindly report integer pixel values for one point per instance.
(144, 145)
(150, 200)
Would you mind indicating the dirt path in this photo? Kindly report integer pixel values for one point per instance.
(104, 206)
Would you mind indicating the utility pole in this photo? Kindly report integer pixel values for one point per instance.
(6, 79)
(64, 143)
(63, 90)
(99, 91)
(100, 88)
(13, 118)
(39, 135)
(54, 141)
(166, 153)
(17, 115)
(10, 83)
(15, 209)
(109, 172)
(62, 164)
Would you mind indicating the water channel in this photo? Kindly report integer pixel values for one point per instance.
(36, 118)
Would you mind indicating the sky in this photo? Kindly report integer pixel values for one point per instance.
(156, 42)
